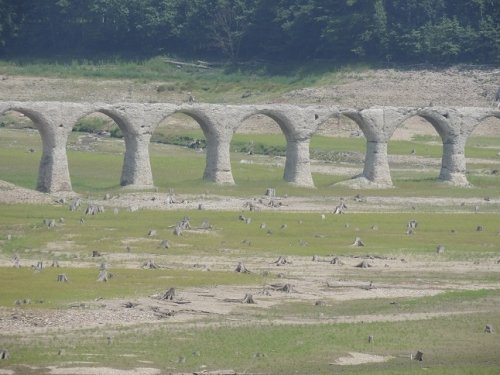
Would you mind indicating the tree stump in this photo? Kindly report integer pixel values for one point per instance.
(317, 258)
(440, 249)
(95, 254)
(270, 192)
(489, 328)
(150, 265)
(62, 278)
(178, 230)
(184, 223)
(340, 209)
(241, 268)
(104, 276)
(412, 224)
(165, 244)
(281, 261)
(75, 204)
(248, 299)
(479, 228)
(363, 264)
(287, 288)
(4, 354)
(39, 266)
(130, 305)
(370, 339)
(152, 233)
(419, 356)
(206, 225)
(358, 243)
(336, 260)
(55, 264)
(169, 294)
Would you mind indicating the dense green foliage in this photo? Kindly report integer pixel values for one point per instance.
(436, 31)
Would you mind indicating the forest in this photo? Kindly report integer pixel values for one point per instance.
(374, 31)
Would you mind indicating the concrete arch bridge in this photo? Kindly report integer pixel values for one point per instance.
(137, 121)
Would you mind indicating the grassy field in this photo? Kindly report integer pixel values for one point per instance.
(452, 343)
(220, 84)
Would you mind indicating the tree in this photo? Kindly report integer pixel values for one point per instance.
(228, 26)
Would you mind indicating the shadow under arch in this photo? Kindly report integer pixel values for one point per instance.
(261, 144)
(209, 128)
(339, 145)
(484, 143)
(418, 142)
(298, 126)
(101, 132)
(180, 127)
(19, 163)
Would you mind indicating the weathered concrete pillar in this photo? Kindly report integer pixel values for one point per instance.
(453, 165)
(297, 164)
(218, 162)
(137, 122)
(54, 122)
(53, 172)
(136, 170)
(218, 123)
(298, 125)
(376, 168)
(378, 125)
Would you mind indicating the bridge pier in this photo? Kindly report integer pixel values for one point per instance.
(378, 125)
(218, 162)
(376, 168)
(453, 164)
(454, 126)
(54, 123)
(53, 171)
(136, 170)
(137, 123)
(297, 164)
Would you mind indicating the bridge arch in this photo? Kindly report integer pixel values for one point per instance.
(13, 125)
(53, 171)
(180, 127)
(483, 144)
(418, 140)
(103, 131)
(258, 138)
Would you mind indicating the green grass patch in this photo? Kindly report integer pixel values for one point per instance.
(447, 301)
(457, 345)
(306, 234)
(43, 290)
(221, 83)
